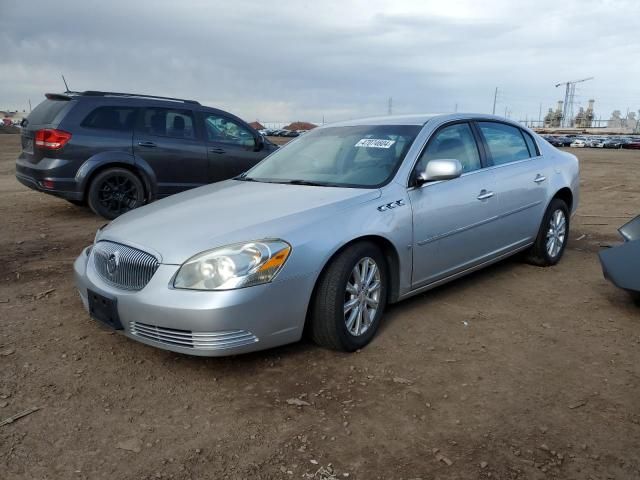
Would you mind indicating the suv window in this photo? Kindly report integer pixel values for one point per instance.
(224, 130)
(111, 118)
(166, 122)
(46, 111)
(506, 143)
(455, 141)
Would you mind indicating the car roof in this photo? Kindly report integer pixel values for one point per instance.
(417, 119)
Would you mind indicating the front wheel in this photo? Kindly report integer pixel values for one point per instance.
(350, 298)
(552, 237)
(115, 191)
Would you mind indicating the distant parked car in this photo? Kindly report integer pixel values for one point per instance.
(613, 143)
(555, 141)
(577, 143)
(117, 151)
(291, 133)
(632, 145)
(596, 142)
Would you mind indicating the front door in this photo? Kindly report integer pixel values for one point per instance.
(453, 220)
(168, 141)
(232, 147)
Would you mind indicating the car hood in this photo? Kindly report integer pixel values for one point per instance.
(180, 226)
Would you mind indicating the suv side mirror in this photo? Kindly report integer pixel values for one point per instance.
(440, 169)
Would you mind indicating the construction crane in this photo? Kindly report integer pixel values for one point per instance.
(570, 91)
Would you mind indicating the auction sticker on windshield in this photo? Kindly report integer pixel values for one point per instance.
(375, 143)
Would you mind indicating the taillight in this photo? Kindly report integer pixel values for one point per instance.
(51, 139)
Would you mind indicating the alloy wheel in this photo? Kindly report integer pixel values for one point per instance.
(118, 194)
(362, 296)
(556, 234)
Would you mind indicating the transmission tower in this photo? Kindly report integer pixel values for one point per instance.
(569, 94)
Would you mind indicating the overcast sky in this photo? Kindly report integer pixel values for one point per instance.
(304, 60)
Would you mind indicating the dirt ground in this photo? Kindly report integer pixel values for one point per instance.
(515, 372)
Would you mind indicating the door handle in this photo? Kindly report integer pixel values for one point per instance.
(147, 144)
(539, 178)
(216, 150)
(484, 194)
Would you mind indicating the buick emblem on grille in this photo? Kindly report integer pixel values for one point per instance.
(113, 262)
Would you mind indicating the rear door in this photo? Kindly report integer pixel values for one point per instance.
(168, 140)
(233, 148)
(521, 176)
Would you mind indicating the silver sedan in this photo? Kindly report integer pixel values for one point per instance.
(326, 232)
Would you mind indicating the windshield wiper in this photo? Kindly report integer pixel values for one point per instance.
(243, 177)
(303, 182)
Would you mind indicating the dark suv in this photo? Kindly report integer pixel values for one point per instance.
(117, 151)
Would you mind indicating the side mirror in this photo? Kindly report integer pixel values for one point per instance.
(440, 169)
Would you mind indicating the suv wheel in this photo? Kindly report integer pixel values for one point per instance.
(552, 236)
(350, 298)
(115, 191)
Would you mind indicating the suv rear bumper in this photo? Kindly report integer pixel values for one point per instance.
(42, 178)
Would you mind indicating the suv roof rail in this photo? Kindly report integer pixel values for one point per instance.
(95, 93)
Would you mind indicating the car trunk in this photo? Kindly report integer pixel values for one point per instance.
(47, 114)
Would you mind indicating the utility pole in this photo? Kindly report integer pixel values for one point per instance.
(569, 94)
(540, 116)
(455, 109)
(495, 98)
(390, 106)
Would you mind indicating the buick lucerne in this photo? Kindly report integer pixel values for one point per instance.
(325, 232)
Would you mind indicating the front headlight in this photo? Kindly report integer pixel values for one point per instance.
(234, 266)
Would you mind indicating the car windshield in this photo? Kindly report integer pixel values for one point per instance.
(364, 156)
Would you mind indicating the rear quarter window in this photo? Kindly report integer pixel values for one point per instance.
(46, 112)
(531, 144)
(111, 118)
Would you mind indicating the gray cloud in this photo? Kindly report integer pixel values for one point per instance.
(283, 61)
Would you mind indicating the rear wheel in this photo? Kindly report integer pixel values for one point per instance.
(115, 191)
(350, 298)
(552, 237)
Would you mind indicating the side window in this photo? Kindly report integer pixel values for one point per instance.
(111, 118)
(506, 143)
(224, 130)
(455, 141)
(167, 122)
(533, 149)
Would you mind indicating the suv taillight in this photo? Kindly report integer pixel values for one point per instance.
(51, 139)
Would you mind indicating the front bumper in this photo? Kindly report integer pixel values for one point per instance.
(204, 323)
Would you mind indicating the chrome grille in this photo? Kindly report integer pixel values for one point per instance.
(123, 267)
(188, 339)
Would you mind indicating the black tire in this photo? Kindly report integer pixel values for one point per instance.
(538, 254)
(327, 318)
(115, 191)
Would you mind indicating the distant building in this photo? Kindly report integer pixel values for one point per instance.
(553, 119)
(256, 125)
